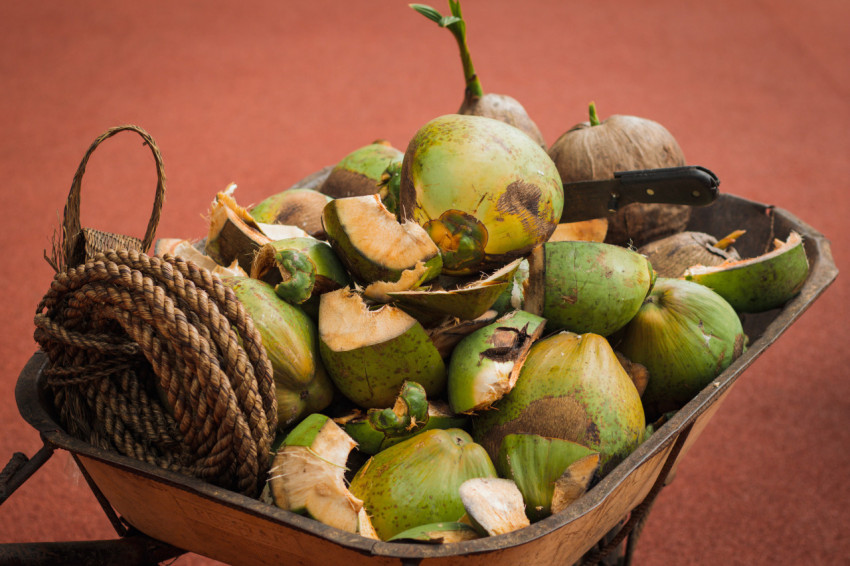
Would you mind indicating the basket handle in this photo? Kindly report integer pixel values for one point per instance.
(71, 226)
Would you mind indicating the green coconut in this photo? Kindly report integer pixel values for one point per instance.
(388, 186)
(299, 207)
(290, 338)
(377, 249)
(485, 365)
(588, 286)
(369, 353)
(571, 387)
(537, 463)
(483, 190)
(685, 335)
(299, 268)
(416, 482)
(359, 173)
(761, 283)
(308, 474)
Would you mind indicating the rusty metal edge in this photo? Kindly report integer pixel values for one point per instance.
(822, 273)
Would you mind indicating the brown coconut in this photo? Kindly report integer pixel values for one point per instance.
(593, 151)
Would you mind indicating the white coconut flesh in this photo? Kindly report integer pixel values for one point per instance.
(347, 323)
(311, 479)
(493, 383)
(378, 234)
(495, 504)
(779, 247)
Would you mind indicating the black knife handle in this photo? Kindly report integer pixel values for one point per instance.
(690, 184)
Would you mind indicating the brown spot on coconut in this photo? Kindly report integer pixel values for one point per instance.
(359, 173)
(596, 150)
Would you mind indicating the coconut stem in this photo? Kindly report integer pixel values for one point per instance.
(457, 26)
(594, 118)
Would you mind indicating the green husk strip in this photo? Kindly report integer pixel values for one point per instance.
(450, 531)
(761, 283)
(535, 463)
(299, 268)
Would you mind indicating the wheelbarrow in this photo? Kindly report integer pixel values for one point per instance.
(159, 514)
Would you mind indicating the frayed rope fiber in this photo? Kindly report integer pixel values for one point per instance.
(155, 358)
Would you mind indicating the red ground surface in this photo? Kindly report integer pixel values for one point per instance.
(263, 93)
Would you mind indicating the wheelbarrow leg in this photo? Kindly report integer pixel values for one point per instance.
(135, 549)
(19, 469)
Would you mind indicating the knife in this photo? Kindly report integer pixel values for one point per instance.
(691, 184)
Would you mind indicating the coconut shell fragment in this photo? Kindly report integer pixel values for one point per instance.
(672, 255)
(494, 505)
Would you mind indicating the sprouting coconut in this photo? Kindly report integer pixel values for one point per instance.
(596, 150)
(377, 249)
(571, 387)
(416, 482)
(370, 353)
(485, 365)
(587, 286)
(289, 336)
(359, 173)
(494, 505)
(293, 207)
(761, 283)
(484, 192)
(299, 268)
(672, 255)
(539, 465)
(308, 474)
(475, 101)
(685, 335)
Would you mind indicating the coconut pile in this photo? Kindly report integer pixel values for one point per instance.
(450, 360)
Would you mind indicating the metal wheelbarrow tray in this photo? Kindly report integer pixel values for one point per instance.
(195, 516)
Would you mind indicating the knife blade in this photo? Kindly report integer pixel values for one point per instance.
(691, 184)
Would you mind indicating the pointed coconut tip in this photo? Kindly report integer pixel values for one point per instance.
(494, 504)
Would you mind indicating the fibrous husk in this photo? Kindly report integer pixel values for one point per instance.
(235, 236)
(494, 505)
(672, 255)
(308, 474)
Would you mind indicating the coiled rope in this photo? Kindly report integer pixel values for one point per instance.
(155, 358)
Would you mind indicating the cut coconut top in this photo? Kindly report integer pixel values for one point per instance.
(378, 233)
(347, 323)
(779, 248)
